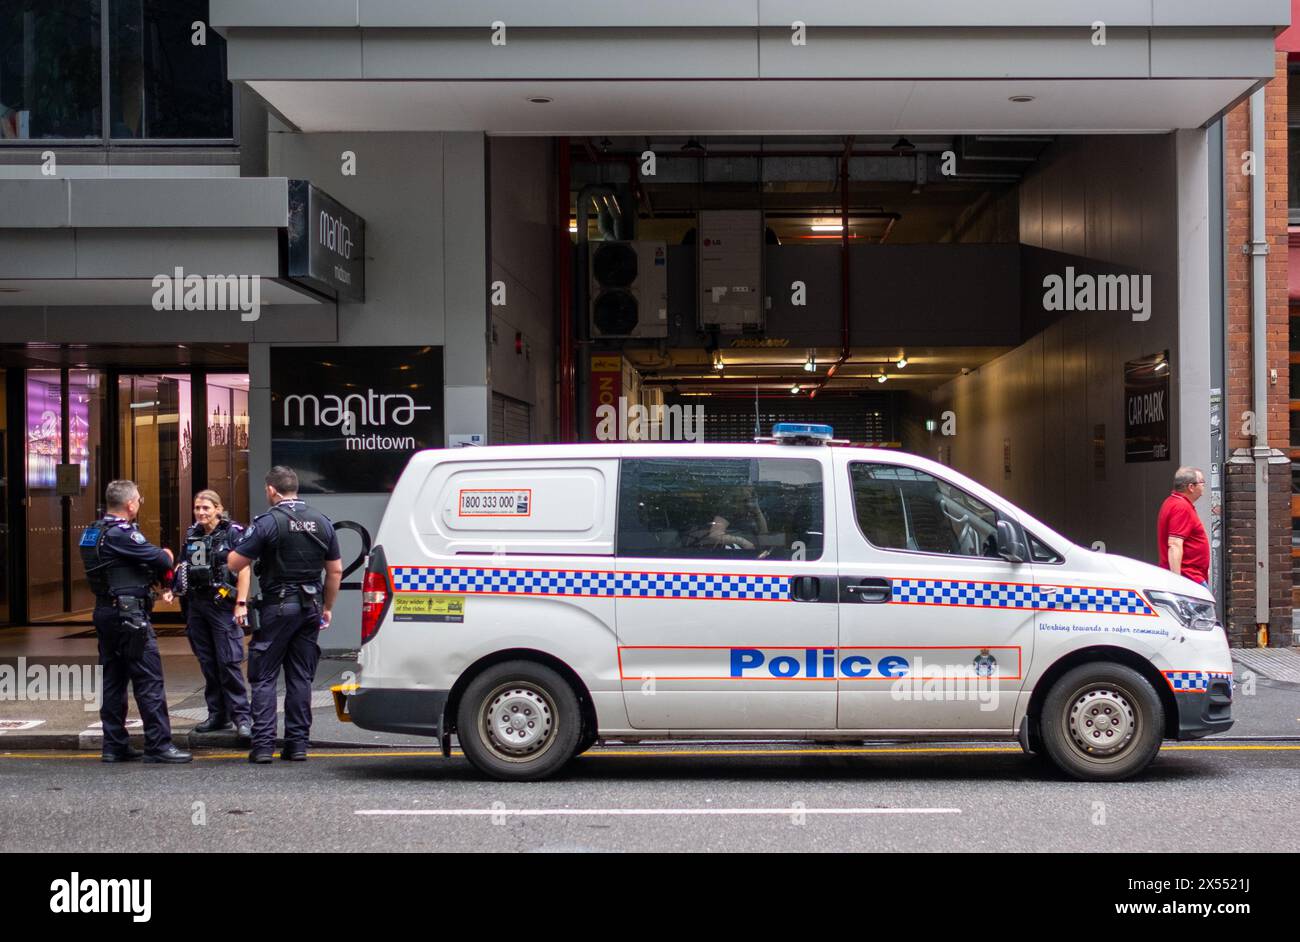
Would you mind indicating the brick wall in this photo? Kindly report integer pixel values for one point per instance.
(1242, 564)
(1239, 484)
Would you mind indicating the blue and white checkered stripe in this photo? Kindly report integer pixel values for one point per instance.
(1198, 681)
(1003, 595)
(595, 583)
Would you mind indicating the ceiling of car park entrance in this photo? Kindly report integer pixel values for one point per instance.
(753, 107)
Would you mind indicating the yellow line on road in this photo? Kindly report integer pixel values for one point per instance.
(661, 753)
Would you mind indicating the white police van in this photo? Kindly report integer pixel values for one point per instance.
(535, 599)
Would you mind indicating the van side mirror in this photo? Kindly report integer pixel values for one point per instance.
(1010, 546)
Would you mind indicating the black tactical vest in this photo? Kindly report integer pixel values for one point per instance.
(207, 577)
(300, 547)
(108, 576)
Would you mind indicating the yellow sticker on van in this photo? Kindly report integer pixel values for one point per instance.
(421, 606)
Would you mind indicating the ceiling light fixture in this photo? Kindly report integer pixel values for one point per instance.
(881, 378)
(903, 145)
(902, 362)
(825, 227)
(540, 99)
(794, 390)
(1021, 99)
(810, 365)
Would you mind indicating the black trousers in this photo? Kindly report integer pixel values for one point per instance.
(286, 637)
(218, 644)
(144, 674)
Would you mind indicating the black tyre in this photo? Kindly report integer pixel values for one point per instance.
(519, 721)
(1102, 722)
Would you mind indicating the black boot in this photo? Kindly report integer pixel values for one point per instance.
(125, 755)
(213, 724)
(170, 756)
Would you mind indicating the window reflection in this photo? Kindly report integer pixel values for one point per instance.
(49, 69)
(728, 508)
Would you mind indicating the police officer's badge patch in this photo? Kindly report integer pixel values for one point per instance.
(138, 537)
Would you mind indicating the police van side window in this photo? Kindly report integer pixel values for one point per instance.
(721, 508)
(906, 509)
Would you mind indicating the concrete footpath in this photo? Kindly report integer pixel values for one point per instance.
(1267, 702)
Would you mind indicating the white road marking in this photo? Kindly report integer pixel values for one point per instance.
(634, 812)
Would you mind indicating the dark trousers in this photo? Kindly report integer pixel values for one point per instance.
(218, 643)
(287, 637)
(145, 675)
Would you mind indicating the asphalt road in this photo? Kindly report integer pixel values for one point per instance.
(1212, 796)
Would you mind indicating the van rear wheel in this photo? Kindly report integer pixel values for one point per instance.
(519, 721)
(1102, 722)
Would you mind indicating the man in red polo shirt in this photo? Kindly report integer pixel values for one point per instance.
(1184, 547)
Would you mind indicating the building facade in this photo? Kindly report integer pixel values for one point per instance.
(467, 230)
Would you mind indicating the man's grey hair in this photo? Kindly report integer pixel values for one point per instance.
(1186, 476)
(118, 493)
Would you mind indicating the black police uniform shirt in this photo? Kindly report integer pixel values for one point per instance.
(125, 541)
(261, 535)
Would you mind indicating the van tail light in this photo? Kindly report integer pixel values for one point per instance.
(375, 593)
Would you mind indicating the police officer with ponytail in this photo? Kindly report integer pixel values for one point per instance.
(216, 609)
(122, 567)
(291, 544)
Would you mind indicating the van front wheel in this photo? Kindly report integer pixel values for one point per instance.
(519, 721)
(1102, 722)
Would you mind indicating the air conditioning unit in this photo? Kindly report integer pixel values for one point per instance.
(628, 286)
(730, 270)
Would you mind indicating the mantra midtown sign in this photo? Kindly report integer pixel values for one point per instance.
(325, 243)
(347, 419)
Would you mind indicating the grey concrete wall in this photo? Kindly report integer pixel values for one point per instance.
(523, 214)
(423, 199)
(1115, 201)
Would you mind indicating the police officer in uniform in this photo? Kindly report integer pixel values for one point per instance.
(121, 567)
(216, 610)
(291, 544)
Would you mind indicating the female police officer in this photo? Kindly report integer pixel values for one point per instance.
(217, 609)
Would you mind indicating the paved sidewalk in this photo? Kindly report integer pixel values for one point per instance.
(1267, 702)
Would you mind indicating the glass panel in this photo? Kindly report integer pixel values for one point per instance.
(727, 508)
(4, 501)
(44, 509)
(154, 417)
(87, 398)
(906, 509)
(228, 442)
(161, 84)
(49, 69)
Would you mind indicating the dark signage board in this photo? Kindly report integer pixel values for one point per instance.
(1146, 408)
(325, 244)
(347, 419)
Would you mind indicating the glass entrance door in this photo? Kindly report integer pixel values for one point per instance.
(171, 433)
(65, 478)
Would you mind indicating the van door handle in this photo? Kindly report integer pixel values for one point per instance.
(870, 590)
(805, 588)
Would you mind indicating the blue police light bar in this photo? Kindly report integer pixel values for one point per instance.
(803, 430)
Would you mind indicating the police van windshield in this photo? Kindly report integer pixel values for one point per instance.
(734, 508)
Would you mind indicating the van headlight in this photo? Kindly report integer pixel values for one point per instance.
(1189, 612)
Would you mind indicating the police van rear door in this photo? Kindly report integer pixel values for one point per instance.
(726, 610)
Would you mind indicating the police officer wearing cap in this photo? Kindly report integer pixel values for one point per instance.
(216, 609)
(121, 567)
(291, 543)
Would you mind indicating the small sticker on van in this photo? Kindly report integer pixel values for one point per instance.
(496, 502)
(409, 606)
